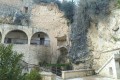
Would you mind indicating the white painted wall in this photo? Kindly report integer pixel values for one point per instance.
(106, 69)
(112, 65)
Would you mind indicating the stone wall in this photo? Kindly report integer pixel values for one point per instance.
(45, 18)
(77, 73)
(30, 52)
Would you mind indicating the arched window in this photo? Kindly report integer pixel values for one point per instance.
(16, 37)
(40, 38)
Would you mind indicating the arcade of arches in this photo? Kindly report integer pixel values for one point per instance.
(20, 37)
(25, 43)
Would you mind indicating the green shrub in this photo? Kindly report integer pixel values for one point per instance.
(10, 68)
(33, 75)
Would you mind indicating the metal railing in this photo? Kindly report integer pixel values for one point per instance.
(27, 67)
(25, 41)
(44, 67)
(40, 42)
(15, 41)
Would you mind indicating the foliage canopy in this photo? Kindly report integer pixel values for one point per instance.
(10, 68)
(33, 75)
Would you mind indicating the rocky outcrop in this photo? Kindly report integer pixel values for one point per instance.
(13, 12)
(89, 12)
(104, 38)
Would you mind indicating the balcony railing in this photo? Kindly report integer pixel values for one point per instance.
(25, 41)
(16, 41)
(40, 42)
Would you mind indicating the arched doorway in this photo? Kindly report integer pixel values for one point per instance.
(62, 62)
(62, 59)
(16, 37)
(0, 37)
(40, 38)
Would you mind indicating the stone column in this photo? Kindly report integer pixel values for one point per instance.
(3, 38)
(29, 39)
(0, 38)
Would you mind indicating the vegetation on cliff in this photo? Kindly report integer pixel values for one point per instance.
(88, 11)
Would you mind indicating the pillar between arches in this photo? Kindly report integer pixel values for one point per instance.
(3, 38)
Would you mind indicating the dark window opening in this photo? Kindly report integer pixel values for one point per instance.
(110, 70)
(119, 64)
(26, 9)
(38, 35)
(42, 41)
(9, 40)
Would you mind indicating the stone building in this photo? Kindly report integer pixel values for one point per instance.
(43, 33)
(40, 32)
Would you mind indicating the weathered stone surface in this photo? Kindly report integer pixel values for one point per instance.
(104, 39)
(46, 18)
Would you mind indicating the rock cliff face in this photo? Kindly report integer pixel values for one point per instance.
(13, 12)
(106, 33)
(104, 38)
(94, 32)
(89, 11)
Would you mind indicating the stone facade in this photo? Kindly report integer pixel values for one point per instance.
(47, 28)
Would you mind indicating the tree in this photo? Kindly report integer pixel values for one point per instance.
(10, 67)
(87, 12)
